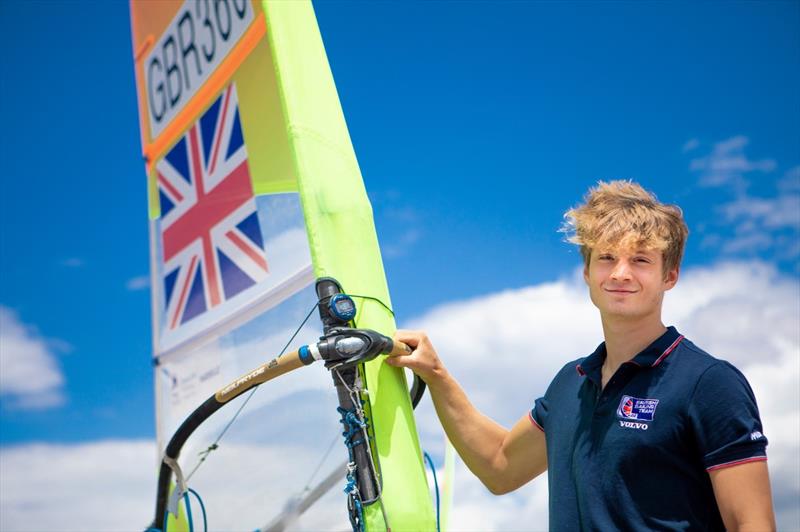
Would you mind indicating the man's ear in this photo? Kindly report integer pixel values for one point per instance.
(586, 273)
(672, 277)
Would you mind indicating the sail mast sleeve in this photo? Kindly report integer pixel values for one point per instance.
(344, 245)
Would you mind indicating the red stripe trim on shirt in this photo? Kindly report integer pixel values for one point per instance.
(669, 350)
(530, 416)
(737, 462)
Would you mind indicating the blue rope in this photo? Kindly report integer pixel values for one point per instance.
(353, 426)
(188, 511)
(435, 485)
(202, 508)
(358, 526)
(189, 519)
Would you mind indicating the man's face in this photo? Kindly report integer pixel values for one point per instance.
(628, 284)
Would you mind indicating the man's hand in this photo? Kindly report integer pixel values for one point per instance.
(422, 359)
(503, 460)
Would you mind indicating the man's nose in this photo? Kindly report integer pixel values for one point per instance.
(621, 271)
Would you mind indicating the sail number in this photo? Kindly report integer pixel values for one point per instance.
(193, 45)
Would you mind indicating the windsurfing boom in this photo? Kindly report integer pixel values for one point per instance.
(341, 348)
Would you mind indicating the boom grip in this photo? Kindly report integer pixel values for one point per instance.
(274, 368)
(399, 348)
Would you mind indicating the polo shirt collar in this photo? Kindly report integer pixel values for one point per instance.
(651, 356)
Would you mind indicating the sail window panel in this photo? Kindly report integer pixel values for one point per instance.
(287, 435)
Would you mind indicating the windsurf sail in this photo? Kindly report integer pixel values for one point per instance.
(254, 194)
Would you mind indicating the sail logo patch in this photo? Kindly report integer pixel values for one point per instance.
(636, 408)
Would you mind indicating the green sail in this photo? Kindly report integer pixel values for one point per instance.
(294, 203)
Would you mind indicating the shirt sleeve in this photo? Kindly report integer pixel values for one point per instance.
(538, 414)
(541, 407)
(724, 416)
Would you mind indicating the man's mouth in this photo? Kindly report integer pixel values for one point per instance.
(619, 291)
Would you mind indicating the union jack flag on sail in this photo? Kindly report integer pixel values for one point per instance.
(211, 238)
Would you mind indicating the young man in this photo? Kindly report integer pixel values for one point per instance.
(648, 432)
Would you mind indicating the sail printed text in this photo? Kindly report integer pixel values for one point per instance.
(191, 48)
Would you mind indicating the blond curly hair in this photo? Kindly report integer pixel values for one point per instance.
(623, 215)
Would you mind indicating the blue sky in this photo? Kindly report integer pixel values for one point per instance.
(476, 126)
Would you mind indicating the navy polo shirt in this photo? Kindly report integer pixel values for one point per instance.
(636, 455)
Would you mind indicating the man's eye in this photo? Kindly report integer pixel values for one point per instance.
(644, 260)
(605, 257)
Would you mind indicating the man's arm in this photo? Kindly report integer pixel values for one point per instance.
(743, 497)
(503, 460)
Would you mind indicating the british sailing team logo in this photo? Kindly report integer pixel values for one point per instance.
(634, 409)
(627, 407)
(211, 238)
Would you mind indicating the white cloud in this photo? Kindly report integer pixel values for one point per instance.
(767, 213)
(96, 486)
(727, 164)
(791, 180)
(504, 348)
(401, 213)
(73, 262)
(138, 283)
(690, 145)
(747, 243)
(30, 377)
(513, 341)
(764, 226)
(405, 227)
(110, 486)
(746, 313)
(400, 245)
